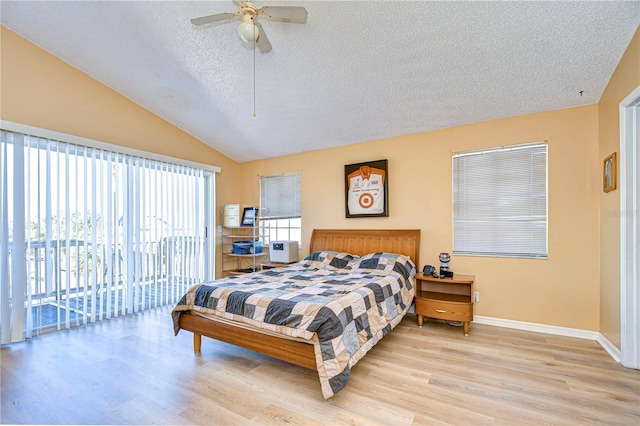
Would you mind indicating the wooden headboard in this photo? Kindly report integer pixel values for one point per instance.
(364, 241)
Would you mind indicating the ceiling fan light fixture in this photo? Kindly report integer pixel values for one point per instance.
(248, 31)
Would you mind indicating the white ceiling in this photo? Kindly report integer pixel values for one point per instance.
(357, 71)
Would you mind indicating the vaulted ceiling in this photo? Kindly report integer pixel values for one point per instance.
(356, 71)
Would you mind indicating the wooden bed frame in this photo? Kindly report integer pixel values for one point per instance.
(358, 242)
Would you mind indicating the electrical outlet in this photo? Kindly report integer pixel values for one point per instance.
(476, 296)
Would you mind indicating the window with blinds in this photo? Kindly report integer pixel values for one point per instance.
(500, 202)
(280, 211)
(88, 234)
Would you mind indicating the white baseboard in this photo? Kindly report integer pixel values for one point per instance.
(611, 349)
(540, 328)
(552, 329)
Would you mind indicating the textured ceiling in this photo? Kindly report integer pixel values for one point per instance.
(357, 71)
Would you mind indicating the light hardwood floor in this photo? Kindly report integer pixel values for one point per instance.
(132, 370)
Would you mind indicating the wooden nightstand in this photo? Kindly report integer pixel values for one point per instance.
(445, 298)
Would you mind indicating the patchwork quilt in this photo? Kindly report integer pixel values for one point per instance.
(342, 304)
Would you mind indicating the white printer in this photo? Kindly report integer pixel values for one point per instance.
(283, 251)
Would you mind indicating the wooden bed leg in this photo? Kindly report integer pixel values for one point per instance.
(197, 342)
(330, 399)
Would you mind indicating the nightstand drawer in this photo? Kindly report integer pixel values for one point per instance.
(444, 310)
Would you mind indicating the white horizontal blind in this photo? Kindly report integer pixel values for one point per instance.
(94, 233)
(280, 196)
(500, 202)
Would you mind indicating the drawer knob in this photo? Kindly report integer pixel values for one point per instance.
(440, 311)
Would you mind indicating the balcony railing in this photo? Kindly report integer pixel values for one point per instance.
(72, 282)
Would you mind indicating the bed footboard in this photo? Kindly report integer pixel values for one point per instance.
(294, 352)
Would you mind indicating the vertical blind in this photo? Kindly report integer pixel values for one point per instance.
(88, 234)
(280, 196)
(500, 202)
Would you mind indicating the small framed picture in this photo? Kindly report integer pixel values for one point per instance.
(609, 172)
(249, 216)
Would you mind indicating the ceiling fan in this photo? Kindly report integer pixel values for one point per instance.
(250, 29)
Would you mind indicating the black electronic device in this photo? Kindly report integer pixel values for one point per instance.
(430, 270)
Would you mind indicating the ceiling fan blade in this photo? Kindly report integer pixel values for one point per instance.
(263, 41)
(295, 14)
(218, 17)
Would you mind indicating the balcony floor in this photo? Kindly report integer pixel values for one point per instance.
(45, 314)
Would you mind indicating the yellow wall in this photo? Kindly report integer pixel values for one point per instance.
(623, 81)
(561, 291)
(40, 90)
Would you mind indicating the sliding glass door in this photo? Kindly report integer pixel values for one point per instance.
(89, 234)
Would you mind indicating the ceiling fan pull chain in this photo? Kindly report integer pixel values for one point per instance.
(254, 77)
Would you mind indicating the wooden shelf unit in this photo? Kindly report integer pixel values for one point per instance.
(236, 264)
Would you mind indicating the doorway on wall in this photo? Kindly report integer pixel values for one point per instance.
(630, 230)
